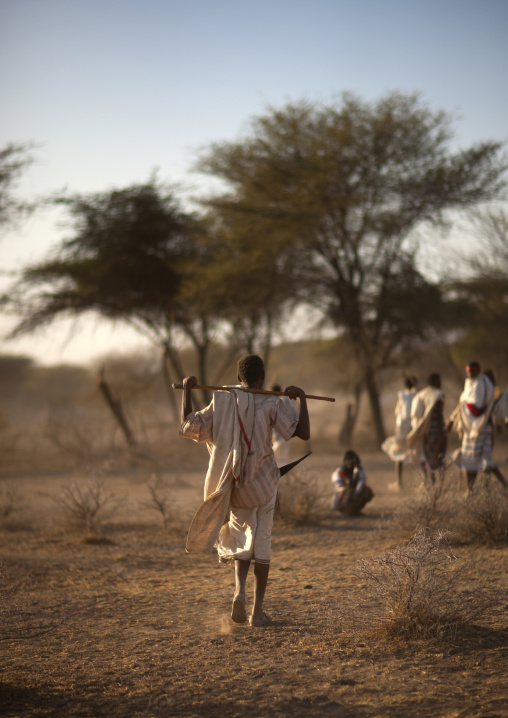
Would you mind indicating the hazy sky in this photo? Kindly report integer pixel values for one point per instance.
(110, 90)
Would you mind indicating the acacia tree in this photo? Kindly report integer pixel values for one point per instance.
(14, 160)
(342, 188)
(125, 260)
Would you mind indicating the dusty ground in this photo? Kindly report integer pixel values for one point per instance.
(135, 627)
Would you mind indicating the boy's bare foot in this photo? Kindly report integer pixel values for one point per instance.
(260, 621)
(238, 612)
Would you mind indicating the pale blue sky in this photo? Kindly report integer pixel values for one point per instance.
(111, 89)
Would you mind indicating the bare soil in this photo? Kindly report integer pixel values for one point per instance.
(130, 625)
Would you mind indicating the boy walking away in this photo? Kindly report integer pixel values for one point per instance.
(351, 490)
(241, 483)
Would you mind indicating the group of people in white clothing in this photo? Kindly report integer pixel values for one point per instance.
(421, 431)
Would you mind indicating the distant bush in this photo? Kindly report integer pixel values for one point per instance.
(478, 518)
(88, 506)
(482, 517)
(10, 504)
(161, 500)
(301, 501)
(413, 591)
(432, 506)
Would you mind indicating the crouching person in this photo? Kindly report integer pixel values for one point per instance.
(351, 490)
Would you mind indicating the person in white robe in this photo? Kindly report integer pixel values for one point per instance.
(236, 515)
(472, 420)
(395, 446)
(429, 436)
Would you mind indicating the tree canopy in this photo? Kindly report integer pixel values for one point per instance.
(14, 160)
(124, 260)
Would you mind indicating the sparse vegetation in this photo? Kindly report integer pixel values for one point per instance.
(10, 503)
(81, 616)
(161, 499)
(301, 500)
(414, 591)
(482, 518)
(88, 506)
(479, 518)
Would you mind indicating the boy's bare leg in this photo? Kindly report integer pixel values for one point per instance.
(261, 571)
(471, 477)
(238, 613)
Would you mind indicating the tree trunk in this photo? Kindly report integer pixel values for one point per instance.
(117, 409)
(348, 427)
(267, 343)
(166, 375)
(375, 405)
(203, 371)
(202, 345)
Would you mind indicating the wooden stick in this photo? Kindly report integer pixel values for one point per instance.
(251, 391)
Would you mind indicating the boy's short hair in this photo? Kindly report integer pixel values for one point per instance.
(250, 368)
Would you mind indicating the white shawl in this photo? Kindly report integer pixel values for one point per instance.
(228, 454)
(399, 448)
(463, 420)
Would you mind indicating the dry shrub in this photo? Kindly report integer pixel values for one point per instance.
(161, 500)
(432, 507)
(88, 506)
(482, 517)
(413, 592)
(301, 501)
(479, 518)
(10, 504)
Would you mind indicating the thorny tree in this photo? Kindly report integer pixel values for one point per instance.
(342, 188)
(14, 160)
(126, 260)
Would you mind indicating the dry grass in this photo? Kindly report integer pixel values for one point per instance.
(301, 498)
(482, 518)
(11, 503)
(162, 500)
(479, 518)
(87, 506)
(413, 592)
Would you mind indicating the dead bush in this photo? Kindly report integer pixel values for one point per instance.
(10, 504)
(300, 499)
(161, 500)
(433, 505)
(88, 506)
(481, 517)
(413, 592)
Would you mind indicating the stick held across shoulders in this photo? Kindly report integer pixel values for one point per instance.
(251, 391)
